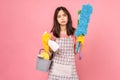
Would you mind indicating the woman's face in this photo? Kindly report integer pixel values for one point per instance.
(62, 18)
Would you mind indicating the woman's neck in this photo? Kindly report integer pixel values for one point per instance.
(63, 30)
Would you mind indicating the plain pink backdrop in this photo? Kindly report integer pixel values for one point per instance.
(22, 23)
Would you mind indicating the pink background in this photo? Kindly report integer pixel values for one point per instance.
(22, 23)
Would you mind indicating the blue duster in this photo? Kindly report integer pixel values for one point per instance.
(84, 20)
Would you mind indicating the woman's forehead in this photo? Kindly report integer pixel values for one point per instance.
(61, 12)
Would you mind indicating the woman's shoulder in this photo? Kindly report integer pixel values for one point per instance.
(52, 36)
(73, 36)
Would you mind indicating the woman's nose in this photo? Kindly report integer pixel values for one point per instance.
(62, 17)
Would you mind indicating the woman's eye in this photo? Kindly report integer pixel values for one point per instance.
(64, 15)
(59, 16)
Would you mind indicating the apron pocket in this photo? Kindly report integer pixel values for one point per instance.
(62, 70)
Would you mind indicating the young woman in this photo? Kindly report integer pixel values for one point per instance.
(63, 66)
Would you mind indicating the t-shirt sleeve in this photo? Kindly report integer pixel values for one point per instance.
(52, 37)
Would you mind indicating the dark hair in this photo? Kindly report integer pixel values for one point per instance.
(56, 26)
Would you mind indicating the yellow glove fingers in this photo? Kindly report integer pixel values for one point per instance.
(45, 55)
(80, 39)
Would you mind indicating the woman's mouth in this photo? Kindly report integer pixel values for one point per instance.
(63, 21)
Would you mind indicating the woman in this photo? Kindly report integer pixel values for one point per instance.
(63, 66)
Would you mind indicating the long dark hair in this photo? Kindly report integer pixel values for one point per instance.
(56, 26)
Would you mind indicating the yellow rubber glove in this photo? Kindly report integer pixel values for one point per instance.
(45, 38)
(80, 39)
(44, 55)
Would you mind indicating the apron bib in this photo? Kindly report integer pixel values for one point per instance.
(63, 66)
